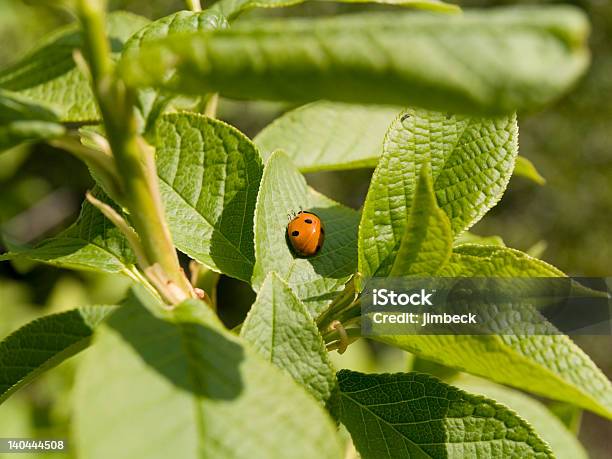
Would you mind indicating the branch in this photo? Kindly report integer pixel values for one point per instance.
(133, 157)
(194, 5)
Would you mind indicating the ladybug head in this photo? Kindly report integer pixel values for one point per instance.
(292, 214)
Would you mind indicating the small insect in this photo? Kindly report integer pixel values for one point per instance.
(306, 233)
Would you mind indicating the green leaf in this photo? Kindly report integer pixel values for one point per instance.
(21, 121)
(484, 62)
(525, 168)
(562, 442)
(316, 279)
(551, 366)
(472, 260)
(416, 415)
(176, 23)
(471, 162)
(45, 343)
(13, 134)
(195, 389)
(151, 103)
(14, 107)
(427, 242)
(209, 178)
(233, 8)
(92, 243)
(471, 238)
(569, 415)
(329, 136)
(281, 329)
(48, 74)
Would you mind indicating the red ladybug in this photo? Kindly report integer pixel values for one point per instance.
(306, 233)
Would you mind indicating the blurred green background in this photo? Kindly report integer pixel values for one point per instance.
(567, 222)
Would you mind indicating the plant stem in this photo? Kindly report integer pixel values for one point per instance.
(97, 49)
(133, 156)
(210, 109)
(100, 163)
(123, 226)
(194, 5)
(346, 300)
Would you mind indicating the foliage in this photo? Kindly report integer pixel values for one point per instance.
(161, 361)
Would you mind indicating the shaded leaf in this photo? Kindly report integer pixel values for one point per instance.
(13, 134)
(416, 415)
(207, 394)
(281, 329)
(45, 343)
(48, 74)
(92, 243)
(492, 61)
(21, 121)
(427, 242)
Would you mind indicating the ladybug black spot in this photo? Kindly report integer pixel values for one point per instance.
(295, 233)
(308, 220)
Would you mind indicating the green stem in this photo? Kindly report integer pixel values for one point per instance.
(210, 109)
(100, 163)
(341, 302)
(133, 156)
(194, 5)
(97, 48)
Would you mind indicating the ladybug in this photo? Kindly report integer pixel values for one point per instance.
(306, 233)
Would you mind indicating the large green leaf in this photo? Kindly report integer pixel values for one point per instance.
(327, 136)
(427, 242)
(48, 74)
(562, 442)
(493, 61)
(195, 389)
(45, 343)
(282, 330)
(232, 8)
(314, 280)
(92, 243)
(471, 162)
(209, 177)
(548, 365)
(415, 415)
